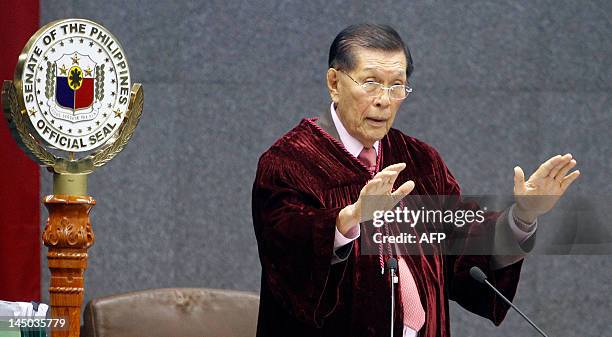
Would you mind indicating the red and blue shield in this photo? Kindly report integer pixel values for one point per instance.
(75, 77)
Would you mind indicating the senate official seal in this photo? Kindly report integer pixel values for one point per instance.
(72, 105)
(75, 83)
(72, 108)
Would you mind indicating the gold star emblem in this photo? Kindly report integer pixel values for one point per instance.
(63, 70)
(88, 71)
(117, 113)
(75, 59)
(32, 112)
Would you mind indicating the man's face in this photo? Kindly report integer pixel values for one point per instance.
(366, 118)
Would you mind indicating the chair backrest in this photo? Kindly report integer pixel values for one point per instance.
(173, 312)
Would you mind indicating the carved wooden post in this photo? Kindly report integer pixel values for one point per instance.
(68, 235)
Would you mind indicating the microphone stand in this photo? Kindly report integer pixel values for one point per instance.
(478, 275)
(392, 266)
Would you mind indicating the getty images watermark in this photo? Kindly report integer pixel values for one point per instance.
(481, 225)
(412, 217)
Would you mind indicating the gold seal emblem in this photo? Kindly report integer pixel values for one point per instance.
(71, 104)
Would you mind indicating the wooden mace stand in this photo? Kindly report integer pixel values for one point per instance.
(68, 235)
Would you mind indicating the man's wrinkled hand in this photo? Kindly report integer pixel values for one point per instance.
(379, 194)
(545, 186)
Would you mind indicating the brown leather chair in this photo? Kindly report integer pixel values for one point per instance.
(173, 312)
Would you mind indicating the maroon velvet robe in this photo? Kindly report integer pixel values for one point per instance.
(302, 182)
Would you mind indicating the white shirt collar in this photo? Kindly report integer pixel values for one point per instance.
(352, 145)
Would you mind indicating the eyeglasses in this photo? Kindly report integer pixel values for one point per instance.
(375, 89)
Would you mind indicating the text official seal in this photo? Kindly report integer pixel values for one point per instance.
(74, 80)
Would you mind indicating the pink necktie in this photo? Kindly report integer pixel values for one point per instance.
(368, 158)
(414, 315)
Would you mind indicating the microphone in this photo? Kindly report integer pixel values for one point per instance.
(391, 264)
(478, 275)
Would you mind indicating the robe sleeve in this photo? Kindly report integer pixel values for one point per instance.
(295, 237)
(470, 294)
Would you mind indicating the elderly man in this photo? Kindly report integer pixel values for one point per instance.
(309, 193)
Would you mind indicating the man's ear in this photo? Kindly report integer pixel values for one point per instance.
(332, 84)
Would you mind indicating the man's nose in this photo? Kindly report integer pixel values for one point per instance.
(384, 99)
